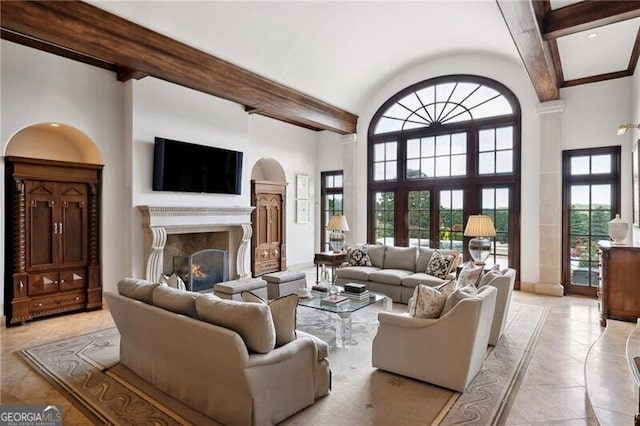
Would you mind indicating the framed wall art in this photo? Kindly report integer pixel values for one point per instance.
(302, 211)
(302, 187)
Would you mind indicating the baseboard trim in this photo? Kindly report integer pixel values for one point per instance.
(543, 288)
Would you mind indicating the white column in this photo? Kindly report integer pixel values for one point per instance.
(349, 206)
(550, 214)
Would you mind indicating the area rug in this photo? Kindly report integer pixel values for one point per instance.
(86, 370)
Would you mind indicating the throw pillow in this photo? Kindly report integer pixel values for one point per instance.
(173, 281)
(429, 301)
(488, 277)
(470, 274)
(283, 312)
(457, 295)
(252, 321)
(358, 256)
(438, 265)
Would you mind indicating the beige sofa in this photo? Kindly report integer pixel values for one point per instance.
(447, 351)
(396, 271)
(209, 367)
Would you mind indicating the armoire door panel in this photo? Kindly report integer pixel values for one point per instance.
(73, 225)
(72, 279)
(41, 225)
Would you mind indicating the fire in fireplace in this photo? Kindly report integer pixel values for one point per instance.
(202, 269)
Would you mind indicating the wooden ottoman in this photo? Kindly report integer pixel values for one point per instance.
(232, 289)
(284, 282)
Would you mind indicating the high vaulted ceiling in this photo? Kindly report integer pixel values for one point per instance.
(315, 63)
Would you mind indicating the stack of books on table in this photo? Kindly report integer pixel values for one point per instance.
(355, 291)
(334, 300)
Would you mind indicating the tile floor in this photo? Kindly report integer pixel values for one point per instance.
(551, 392)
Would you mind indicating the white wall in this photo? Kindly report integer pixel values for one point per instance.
(295, 149)
(503, 70)
(40, 87)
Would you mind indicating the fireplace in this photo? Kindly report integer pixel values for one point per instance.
(160, 222)
(202, 269)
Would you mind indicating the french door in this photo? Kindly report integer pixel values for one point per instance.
(591, 198)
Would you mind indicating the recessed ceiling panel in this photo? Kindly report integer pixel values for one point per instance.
(608, 51)
(557, 4)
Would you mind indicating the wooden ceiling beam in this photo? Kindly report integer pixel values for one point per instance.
(587, 15)
(522, 22)
(134, 51)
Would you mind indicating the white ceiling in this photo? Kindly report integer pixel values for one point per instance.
(334, 51)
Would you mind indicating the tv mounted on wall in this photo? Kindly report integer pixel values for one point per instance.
(187, 167)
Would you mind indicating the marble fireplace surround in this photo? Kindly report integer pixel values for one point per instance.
(158, 222)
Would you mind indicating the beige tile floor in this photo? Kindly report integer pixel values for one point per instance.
(551, 392)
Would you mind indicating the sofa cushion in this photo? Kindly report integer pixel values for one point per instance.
(252, 321)
(356, 272)
(421, 278)
(138, 289)
(358, 256)
(376, 255)
(389, 276)
(428, 302)
(470, 274)
(457, 295)
(283, 313)
(174, 300)
(400, 258)
(439, 264)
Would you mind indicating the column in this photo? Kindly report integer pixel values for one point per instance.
(349, 156)
(550, 214)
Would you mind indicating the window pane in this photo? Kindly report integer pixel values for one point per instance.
(504, 138)
(488, 199)
(428, 147)
(428, 166)
(487, 138)
(458, 165)
(504, 161)
(442, 145)
(442, 166)
(378, 171)
(579, 165)
(601, 164)
(579, 196)
(392, 170)
(391, 150)
(413, 169)
(601, 196)
(378, 152)
(459, 143)
(338, 181)
(502, 198)
(486, 163)
(413, 148)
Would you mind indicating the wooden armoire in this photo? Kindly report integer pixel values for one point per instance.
(52, 238)
(268, 245)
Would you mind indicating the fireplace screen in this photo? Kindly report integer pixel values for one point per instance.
(203, 269)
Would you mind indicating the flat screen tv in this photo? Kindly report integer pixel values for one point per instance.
(187, 167)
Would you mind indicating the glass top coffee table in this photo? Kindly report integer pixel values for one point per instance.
(344, 311)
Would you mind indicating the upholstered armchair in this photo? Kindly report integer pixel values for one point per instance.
(503, 282)
(447, 351)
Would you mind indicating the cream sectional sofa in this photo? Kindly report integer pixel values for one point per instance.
(195, 347)
(396, 271)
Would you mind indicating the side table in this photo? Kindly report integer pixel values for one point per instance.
(329, 258)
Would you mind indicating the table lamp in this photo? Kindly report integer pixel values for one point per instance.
(480, 227)
(337, 225)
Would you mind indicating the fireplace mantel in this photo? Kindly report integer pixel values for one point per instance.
(159, 221)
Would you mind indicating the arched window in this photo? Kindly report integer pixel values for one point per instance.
(439, 151)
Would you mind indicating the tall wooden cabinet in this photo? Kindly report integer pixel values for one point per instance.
(52, 238)
(620, 282)
(268, 244)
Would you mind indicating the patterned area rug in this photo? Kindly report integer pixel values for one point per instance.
(86, 370)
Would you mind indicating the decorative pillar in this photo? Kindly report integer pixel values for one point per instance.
(550, 214)
(349, 206)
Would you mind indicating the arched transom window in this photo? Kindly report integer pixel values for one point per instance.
(439, 151)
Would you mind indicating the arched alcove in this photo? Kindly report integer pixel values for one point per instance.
(268, 169)
(53, 141)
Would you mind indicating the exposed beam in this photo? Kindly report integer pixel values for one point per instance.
(136, 51)
(587, 15)
(522, 23)
(596, 78)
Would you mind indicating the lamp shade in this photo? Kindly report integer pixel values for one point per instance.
(479, 226)
(338, 223)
